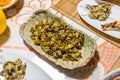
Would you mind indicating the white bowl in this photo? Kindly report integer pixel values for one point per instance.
(32, 72)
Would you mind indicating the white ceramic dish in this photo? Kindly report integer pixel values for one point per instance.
(87, 50)
(115, 11)
(114, 75)
(33, 72)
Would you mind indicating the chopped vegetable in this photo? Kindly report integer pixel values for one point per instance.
(13, 70)
(57, 40)
(100, 12)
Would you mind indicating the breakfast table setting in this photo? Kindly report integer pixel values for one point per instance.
(21, 21)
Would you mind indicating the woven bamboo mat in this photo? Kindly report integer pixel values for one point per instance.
(69, 9)
(116, 65)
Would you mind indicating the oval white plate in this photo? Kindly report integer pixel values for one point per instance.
(115, 15)
(33, 72)
(113, 74)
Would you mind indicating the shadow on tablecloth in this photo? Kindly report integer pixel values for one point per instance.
(5, 36)
(78, 73)
(82, 72)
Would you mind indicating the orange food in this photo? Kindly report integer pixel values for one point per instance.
(4, 2)
(2, 22)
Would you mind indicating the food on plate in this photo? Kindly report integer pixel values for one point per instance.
(57, 40)
(7, 4)
(111, 26)
(2, 21)
(13, 70)
(99, 12)
(4, 2)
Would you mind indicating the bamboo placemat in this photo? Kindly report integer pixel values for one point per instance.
(116, 65)
(69, 9)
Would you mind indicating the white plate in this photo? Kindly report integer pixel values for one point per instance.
(115, 15)
(33, 72)
(114, 74)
